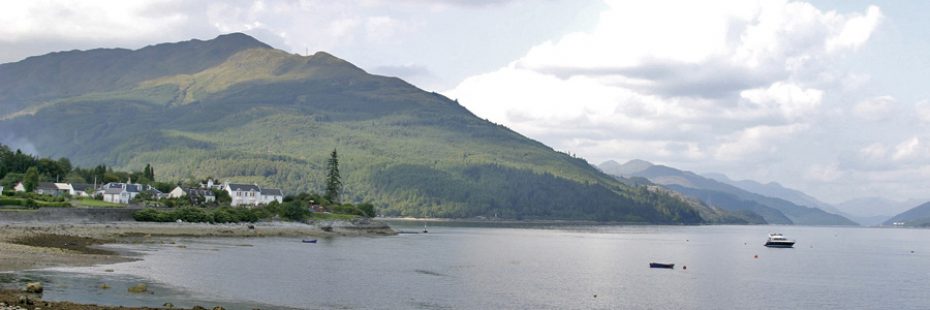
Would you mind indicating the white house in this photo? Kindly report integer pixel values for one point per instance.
(120, 192)
(81, 189)
(243, 194)
(271, 194)
(252, 194)
(19, 187)
(1, 188)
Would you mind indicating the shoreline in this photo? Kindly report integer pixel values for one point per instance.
(18, 256)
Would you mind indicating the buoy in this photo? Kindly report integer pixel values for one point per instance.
(595, 295)
(755, 256)
(684, 267)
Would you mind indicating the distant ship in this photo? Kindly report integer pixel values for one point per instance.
(776, 240)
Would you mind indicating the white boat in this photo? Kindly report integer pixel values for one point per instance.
(776, 240)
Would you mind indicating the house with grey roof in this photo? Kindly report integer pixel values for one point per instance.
(269, 195)
(252, 194)
(82, 189)
(120, 192)
(196, 195)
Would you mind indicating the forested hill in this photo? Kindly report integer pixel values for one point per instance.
(235, 109)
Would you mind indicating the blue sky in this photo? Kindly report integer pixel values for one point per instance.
(823, 96)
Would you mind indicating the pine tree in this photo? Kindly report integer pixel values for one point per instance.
(148, 172)
(333, 180)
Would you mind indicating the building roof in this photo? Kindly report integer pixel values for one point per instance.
(198, 192)
(272, 192)
(47, 186)
(243, 187)
(81, 186)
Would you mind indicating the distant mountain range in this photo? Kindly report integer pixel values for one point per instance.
(236, 109)
(768, 201)
(918, 216)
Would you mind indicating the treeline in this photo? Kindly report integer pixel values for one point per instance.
(15, 166)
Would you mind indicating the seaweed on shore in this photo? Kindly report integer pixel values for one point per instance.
(82, 245)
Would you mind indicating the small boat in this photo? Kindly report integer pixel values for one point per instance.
(776, 240)
(662, 265)
(308, 241)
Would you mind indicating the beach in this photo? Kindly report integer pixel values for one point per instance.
(59, 247)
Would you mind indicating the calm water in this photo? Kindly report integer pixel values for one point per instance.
(535, 267)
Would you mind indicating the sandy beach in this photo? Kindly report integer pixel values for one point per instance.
(59, 246)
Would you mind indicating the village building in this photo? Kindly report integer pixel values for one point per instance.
(53, 189)
(252, 194)
(120, 192)
(196, 195)
(82, 190)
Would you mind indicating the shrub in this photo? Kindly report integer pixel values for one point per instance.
(146, 215)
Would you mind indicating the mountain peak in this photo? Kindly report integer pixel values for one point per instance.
(631, 167)
(238, 40)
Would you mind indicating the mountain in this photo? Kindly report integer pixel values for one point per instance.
(874, 209)
(236, 109)
(917, 216)
(732, 198)
(628, 169)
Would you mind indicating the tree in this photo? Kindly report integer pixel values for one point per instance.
(148, 172)
(333, 181)
(31, 180)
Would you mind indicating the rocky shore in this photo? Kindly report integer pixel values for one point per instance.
(33, 245)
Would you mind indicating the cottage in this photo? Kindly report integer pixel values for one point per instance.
(120, 192)
(243, 194)
(1, 188)
(19, 187)
(53, 189)
(82, 189)
(196, 195)
(269, 195)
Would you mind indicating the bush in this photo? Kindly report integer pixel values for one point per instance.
(295, 211)
(146, 215)
(11, 202)
(193, 215)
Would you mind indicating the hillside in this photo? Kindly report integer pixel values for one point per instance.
(235, 109)
(732, 198)
(918, 216)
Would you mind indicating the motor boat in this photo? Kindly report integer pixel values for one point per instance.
(777, 240)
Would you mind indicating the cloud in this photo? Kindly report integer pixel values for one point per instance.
(720, 77)
(875, 108)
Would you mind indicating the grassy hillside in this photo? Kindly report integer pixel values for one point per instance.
(269, 117)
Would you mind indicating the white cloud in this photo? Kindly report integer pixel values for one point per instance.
(754, 140)
(923, 110)
(729, 78)
(790, 100)
(874, 109)
(907, 149)
(87, 20)
(824, 172)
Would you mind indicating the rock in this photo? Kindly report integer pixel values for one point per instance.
(104, 286)
(138, 288)
(34, 287)
(25, 300)
(108, 270)
(219, 308)
(198, 308)
(168, 305)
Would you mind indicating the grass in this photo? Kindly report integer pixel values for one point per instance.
(90, 202)
(332, 216)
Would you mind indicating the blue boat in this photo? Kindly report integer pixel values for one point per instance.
(662, 265)
(308, 241)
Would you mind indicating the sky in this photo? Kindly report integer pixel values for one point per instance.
(822, 96)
